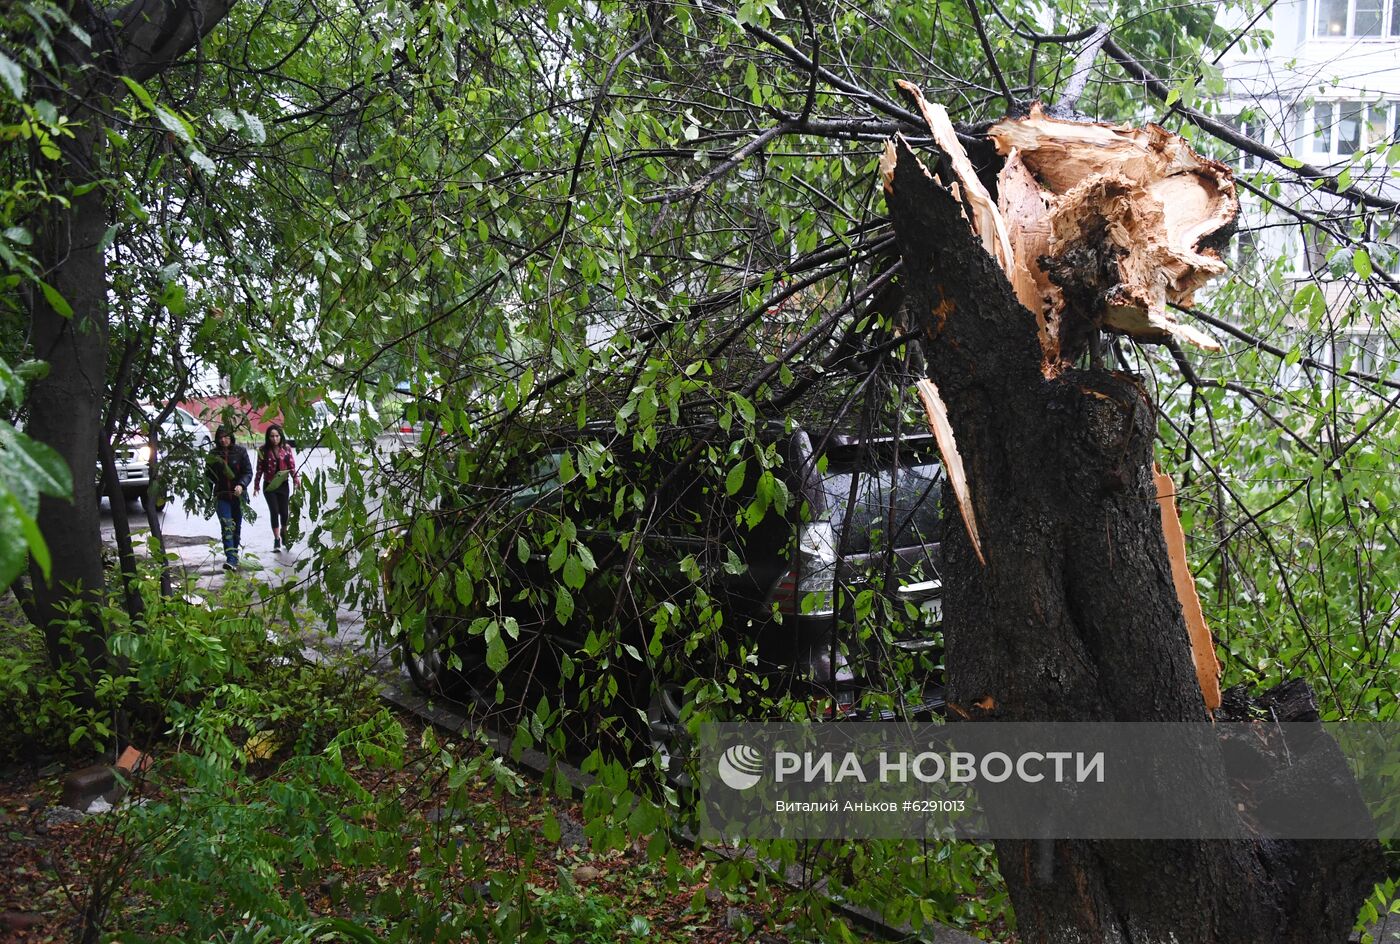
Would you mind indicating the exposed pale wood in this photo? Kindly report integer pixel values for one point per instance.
(1025, 208)
(1202, 646)
(1140, 198)
(937, 414)
(982, 211)
(888, 158)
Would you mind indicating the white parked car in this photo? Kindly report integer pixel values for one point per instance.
(133, 454)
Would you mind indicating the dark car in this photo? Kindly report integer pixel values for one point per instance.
(815, 594)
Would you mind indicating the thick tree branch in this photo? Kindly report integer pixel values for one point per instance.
(154, 33)
(1079, 76)
(1245, 143)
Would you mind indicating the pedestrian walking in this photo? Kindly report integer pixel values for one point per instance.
(230, 471)
(278, 466)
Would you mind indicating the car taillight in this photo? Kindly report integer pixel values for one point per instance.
(810, 586)
(828, 707)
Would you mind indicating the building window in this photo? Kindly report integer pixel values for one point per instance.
(1250, 128)
(1359, 18)
(1341, 128)
(1317, 247)
(1243, 251)
(1368, 352)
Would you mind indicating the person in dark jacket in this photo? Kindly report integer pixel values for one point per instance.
(278, 467)
(230, 471)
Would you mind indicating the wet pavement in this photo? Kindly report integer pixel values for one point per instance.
(196, 540)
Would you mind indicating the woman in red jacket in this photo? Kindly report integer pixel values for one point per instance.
(278, 466)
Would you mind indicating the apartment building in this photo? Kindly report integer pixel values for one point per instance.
(1319, 80)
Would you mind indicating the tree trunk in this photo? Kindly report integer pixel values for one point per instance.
(65, 406)
(1074, 615)
(139, 39)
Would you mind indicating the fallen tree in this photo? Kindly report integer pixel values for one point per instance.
(1061, 601)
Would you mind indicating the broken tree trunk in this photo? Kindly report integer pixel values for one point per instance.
(1068, 610)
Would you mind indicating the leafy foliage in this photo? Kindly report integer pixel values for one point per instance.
(28, 470)
(536, 218)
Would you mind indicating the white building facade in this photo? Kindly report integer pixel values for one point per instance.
(1325, 91)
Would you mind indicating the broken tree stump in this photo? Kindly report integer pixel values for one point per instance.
(1060, 602)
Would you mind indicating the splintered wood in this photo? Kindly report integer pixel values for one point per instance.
(986, 221)
(1126, 228)
(1202, 646)
(937, 415)
(1026, 209)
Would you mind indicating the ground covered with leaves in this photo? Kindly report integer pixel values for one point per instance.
(52, 858)
(287, 802)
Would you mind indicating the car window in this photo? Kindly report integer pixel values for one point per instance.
(914, 490)
(541, 480)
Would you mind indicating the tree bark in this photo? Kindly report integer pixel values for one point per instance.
(65, 406)
(1074, 616)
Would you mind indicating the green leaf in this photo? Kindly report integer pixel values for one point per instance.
(563, 605)
(173, 298)
(550, 827)
(1361, 262)
(31, 469)
(574, 575)
(12, 75)
(735, 479)
(557, 555)
(1310, 297)
(256, 132)
(56, 301)
(139, 90)
(1290, 162)
(174, 124)
(744, 406)
(1173, 97)
(496, 655)
(32, 537)
(13, 550)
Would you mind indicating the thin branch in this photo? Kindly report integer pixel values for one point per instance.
(647, 35)
(816, 60)
(1262, 345)
(1034, 37)
(1302, 217)
(1188, 371)
(991, 56)
(877, 102)
(715, 173)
